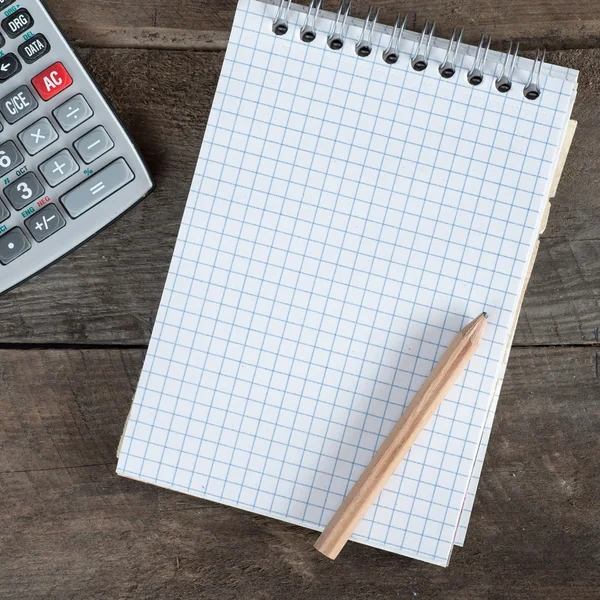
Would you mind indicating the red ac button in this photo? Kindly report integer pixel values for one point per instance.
(52, 81)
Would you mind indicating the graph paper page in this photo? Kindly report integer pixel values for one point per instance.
(346, 219)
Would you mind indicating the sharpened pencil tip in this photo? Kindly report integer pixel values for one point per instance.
(485, 314)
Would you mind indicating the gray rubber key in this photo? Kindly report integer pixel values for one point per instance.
(97, 188)
(24, 191)
(45, 222)
(18, 104)
(12, 245)
(10, 158)
(93, 145)
(59, 168)
(4, 214)
(38, 136)
(73, 113)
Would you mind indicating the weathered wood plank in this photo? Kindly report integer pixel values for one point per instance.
(553, 23)
(108, 291)
(70, 528)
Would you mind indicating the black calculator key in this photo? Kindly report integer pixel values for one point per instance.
(5, 3)
(12, 245)
(2, 41)
(18, 104)
(34, 48)
(45, 222)
(4, 214)
(10, 158)
(17, 23)
(24, 191)
(9, 67)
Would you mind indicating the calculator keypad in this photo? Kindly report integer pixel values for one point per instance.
(64, 156)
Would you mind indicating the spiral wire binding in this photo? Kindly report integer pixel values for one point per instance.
(308, 32)
(335, 40)
(363, 46)
(392, 53)
(420, 58)
(532, 89)
(280, 24)
(448, 66)
(504, 80)
(475, 75)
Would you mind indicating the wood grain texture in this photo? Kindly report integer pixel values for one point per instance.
(554, 23)
(115, 281)
(71, 529)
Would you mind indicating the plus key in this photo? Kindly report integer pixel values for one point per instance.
(52, 81)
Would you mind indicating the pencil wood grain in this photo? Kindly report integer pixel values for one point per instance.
(396, 446)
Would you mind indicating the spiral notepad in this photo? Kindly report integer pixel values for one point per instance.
(362, 192)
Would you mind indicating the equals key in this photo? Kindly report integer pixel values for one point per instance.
(97, 188)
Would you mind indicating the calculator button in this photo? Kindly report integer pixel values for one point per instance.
(17, 23)
(5, 3)
(38, 136)
(94, 144)
(45, 222)
(10, 158)
(72, 113)
(59, 168)
(4, 214)
(24, 191)
(97, 188)
(9, 66)
(34, 48)
(2, 40)
(52, 81)
(18, 104)
(12, 245)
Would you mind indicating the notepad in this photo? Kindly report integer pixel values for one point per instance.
(346, 219)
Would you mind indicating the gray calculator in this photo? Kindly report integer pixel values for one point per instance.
(67, 166)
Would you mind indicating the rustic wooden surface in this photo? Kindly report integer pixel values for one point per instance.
(72, 343)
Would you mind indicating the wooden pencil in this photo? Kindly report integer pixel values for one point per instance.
(401, 438)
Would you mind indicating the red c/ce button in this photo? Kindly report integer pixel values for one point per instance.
(52, 81)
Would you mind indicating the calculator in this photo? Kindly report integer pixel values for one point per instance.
(67, 166)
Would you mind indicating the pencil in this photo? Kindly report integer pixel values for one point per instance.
(395, 447)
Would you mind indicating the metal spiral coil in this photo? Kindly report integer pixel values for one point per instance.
(419, 60)
(363, 47)
(475, 75)
(504, 80)
(308, 32)
(280, 24)
(392, 53)
(448, 66)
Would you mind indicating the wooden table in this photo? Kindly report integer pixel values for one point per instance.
(72, 342)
